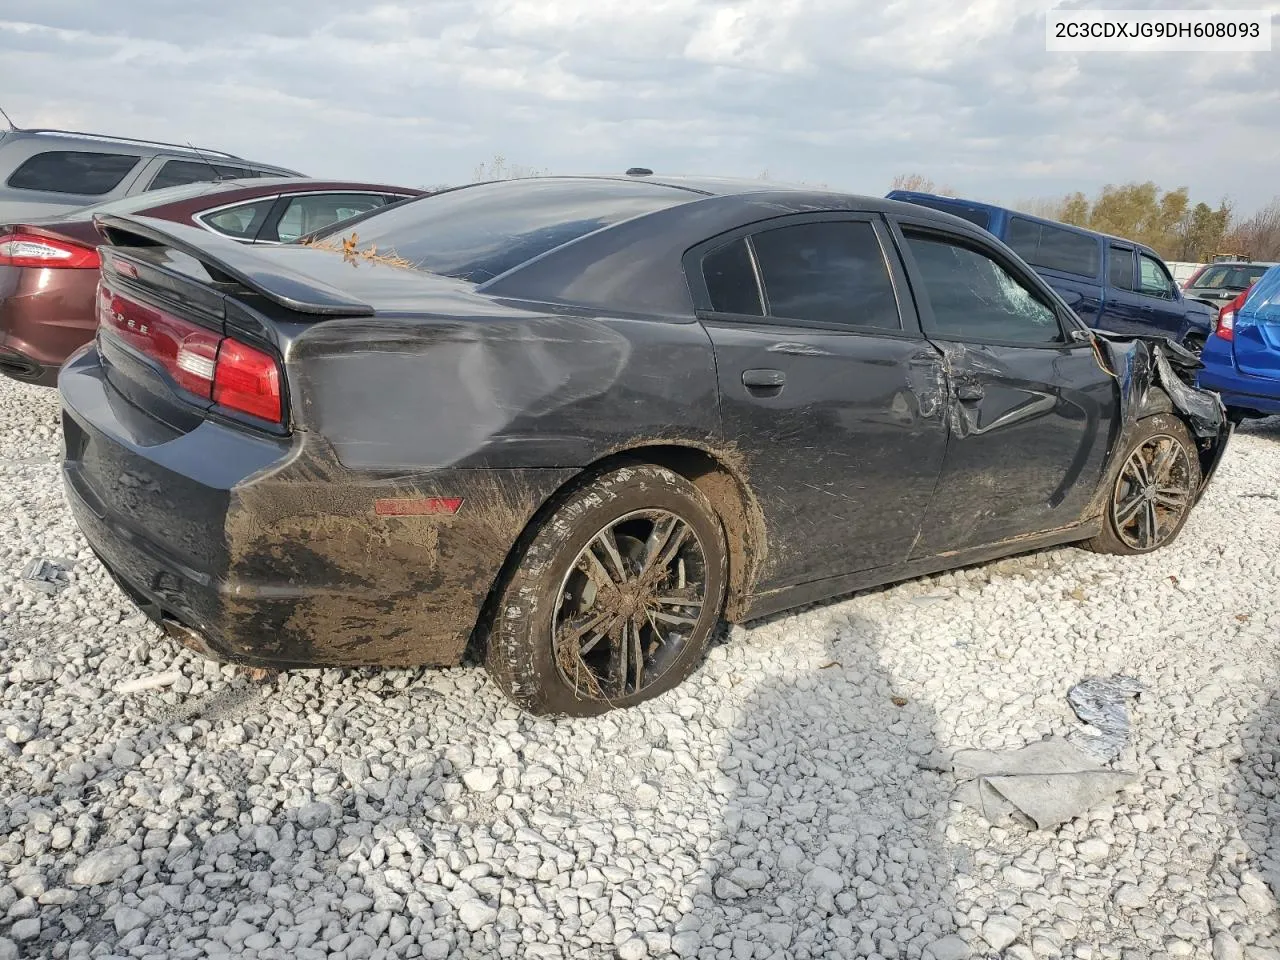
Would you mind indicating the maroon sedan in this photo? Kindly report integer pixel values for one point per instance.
(49, 268)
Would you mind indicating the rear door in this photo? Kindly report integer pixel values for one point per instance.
(826, 387)
(1030, 408)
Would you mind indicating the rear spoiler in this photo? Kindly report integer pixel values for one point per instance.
(290, 289)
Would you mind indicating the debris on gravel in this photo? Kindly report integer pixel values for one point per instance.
(793, 798)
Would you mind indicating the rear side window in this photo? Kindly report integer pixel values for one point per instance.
(832, 273)
(314, 212)
(1054, 248)
(242, 221)
(1120, 268)
(72, 171)
(177, 172)
(974, 298)
(731, 280)
(477, 233)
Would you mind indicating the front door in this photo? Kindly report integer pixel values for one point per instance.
(1161, 301)
(827, 388)
(1031, 409)
(1122, 310)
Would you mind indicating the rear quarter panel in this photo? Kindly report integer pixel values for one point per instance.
(499, 410)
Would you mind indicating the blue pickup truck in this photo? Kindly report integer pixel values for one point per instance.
(1112, 284)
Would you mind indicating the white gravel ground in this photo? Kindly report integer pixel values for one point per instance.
(780, 804)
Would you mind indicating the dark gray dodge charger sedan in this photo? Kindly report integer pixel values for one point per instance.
(576, 423)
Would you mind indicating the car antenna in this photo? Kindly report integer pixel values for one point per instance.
(217, 177)
(12, 125)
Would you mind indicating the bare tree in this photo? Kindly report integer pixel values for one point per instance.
(500, 168)
(919, 183)
(1259, 236)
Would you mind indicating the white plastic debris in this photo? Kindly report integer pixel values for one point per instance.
(151, 682)
(47, 576)
(1045, 783)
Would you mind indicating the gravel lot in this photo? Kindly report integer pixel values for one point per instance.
(781, 804)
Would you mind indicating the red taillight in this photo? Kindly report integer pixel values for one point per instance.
(30, 250)
(247, 380)
(205, 363)
(1226, 327)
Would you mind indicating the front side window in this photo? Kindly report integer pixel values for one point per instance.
(975, 298)
(177, 172)
(242, 221)
(1054, 248)
(72, 171)
(832, 273)
(313, 212)
(1155, 279)
(1120, 268)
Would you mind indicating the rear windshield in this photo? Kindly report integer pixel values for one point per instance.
(477, 233)
(1230, 277)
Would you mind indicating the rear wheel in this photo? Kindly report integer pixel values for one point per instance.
(615, 597)
(1153, 490)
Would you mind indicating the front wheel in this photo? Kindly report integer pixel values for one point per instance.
(1153, 489)
(615, 597)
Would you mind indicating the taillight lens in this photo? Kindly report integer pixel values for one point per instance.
(210, 366)
(1226, 327)
(247, 380)
(29, 250)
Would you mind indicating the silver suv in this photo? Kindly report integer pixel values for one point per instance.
(47, 172)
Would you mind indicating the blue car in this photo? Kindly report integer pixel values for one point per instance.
(1242, 358)
(1111, 283)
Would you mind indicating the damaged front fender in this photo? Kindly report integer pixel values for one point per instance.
(1143, 364)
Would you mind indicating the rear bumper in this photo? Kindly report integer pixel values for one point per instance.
(271, 549)
(45, 315)
(18, 366)
(1238, 390)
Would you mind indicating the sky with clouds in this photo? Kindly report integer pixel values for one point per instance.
(845, 93)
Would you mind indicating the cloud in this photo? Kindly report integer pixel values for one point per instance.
(842, 92)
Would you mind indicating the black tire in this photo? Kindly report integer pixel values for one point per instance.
(1123, 533)
(548, 587)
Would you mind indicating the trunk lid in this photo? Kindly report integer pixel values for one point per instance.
(179, 307)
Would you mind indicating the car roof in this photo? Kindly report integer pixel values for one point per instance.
(308, 184)
(1239, 263)
(910, 195)
(80, 137)
(795, 197)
